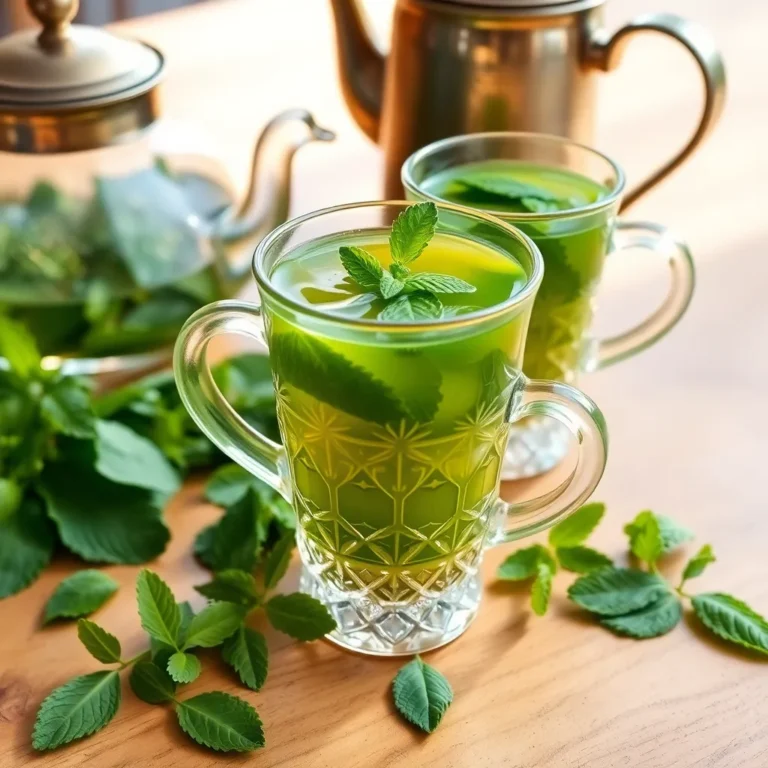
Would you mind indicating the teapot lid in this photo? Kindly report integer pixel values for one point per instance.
(513, 3)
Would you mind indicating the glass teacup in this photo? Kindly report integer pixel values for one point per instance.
(574, 239)
(393, 433)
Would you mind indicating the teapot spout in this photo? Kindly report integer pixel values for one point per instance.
(268, 199)
(361, 66)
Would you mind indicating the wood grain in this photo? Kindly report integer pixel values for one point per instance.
(689, 430)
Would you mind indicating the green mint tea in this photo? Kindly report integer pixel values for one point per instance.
(573, 248)
(395, 440)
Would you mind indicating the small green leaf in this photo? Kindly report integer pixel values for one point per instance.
(184, 667)
(231, 586)
(222, 722)
(160, 616)
(390, 286)
(582, 559)
(66, 406)
(412, 307)
(616, 591)
(78, 708)
(213, 625)
(652, 621)
(300, 616)
(542, 588)
(523, 564)
(278, 560)
(672, 533)
(18, 347)
(11, 494)
(152, 684)
(102, 645)
(411, 232)
(80, 594)
(399, 271)
(228, 484)
(246, 652)
(645, 537)
(362, 267)
(422, 695)
(732, 620)
(576, 528)
(696, 565)
(435, 283)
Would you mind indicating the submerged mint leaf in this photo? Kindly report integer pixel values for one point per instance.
(654, 620)
(422, 695)
(437, 283)
(390, 286)
(507, 189)
(412, 307)
(79, 595)
(362, 267)
(732, 620)
(411, 232)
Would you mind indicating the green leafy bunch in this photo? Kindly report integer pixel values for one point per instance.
(67, 477)
(408, 296)
(637, 601)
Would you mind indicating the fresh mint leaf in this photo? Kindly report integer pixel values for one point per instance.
(582, 559)
(102, 645)
(390, 286)
(672, 533)
(78, 708)
(732, 620)
(213, 625)
(66, 406)
(160, 616)
(652, 621)
(412, 307)
(308, 364)
(235, 541)
(228, 484)
(11, 495)
(411, 232)
(80, 594)
(300, 616)
(362, 267)
(542, 588)
(126, 458)
(152, 684)
(18, 347)
(184, 667)
(246, 652)
(645, 538)
(26, 546)
(422, 695)
(523, 564)
(507, 189)
(617, 591)
(161, 652)
(399, 271)
(221, 722)
(100, 520)
(697, 564)
(435, 283)
(232, 586)
(278, 560)
(576, 528)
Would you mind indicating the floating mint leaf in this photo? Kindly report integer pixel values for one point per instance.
(652, 621)
(246, 652)
(523, 564)
(542, 588)
(582, 559)
(576, 528)
(390, 286)
(696, 565)
(213, 625)
(152, 684)
(732, 620)
(411, 232)
(412, 307)
(278, 560)
(362, 267)
(222, 722)
(645, 538)
(232, 586)
(300, 616)
(422, 695)
(78, 708)
(160, 616)
(79, 595)
(617, 591)
(399, 271)
(102, 645)
(436, 283)
(184, 667)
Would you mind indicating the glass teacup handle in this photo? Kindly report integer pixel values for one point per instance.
(211, 412)
(586, 423)
(659, 241)
(605, 50)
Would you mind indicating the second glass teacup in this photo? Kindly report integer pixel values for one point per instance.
(393, 432)
(565, 197)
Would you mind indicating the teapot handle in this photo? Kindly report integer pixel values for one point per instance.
(605, 53)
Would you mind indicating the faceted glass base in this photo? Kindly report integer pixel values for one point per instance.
(536, 445)
(380, 629)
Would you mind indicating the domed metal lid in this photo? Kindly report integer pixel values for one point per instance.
(66, 66)
(520, 4)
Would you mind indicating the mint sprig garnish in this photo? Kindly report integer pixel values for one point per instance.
(410, 296)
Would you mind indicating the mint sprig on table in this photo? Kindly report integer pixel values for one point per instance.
(637, 602)
(408, 296)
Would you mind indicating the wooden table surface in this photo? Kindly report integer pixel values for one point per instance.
(689, 430)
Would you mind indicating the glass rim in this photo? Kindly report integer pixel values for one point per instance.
(529, 289)
(406, 176)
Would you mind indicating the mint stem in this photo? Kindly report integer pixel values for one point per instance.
(127, 663)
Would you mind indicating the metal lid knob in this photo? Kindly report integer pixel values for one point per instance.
(55, 17)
